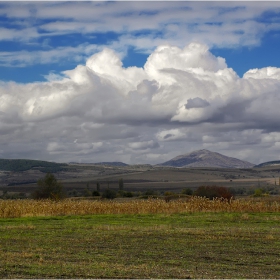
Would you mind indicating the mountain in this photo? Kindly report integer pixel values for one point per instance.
(269, 163)
(205, 158)
(26, 164)
(113, 163)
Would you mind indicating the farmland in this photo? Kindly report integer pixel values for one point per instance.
(140, 178)
(185, 237)
(33, 208)
(183, 245)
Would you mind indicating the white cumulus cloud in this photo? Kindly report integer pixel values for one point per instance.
(183, 99)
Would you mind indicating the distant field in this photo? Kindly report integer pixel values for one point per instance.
(186, 245)
(144, 178)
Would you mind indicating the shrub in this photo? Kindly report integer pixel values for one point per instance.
(74, 193)
(168, 193)
(95, 193)
(49, 188)
(212, 192)
(7, 195)
(150, 192)
(187, 191)
(237, 190)
(109, 194)
(87, 192)
(128, 194)
(124, 194)
(258, 192)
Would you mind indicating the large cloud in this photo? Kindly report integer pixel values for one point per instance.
(182, 99)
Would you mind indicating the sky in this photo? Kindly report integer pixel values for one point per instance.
(139, 81)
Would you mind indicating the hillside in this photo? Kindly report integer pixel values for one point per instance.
(113, 163)
(269, 163)
(205, 158)
(26, 164)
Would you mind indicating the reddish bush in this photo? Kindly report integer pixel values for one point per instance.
(213, 192)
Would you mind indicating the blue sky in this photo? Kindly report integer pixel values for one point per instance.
(139, 81)
(261, 52)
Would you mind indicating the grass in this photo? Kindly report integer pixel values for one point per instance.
(32, 208)
(182, 245)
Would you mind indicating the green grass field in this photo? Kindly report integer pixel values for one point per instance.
(187, 245)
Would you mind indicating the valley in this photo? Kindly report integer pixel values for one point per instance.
(143, 178)
(188, 171)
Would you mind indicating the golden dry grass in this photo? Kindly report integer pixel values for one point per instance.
(33, 208)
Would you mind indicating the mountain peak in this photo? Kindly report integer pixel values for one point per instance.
(206, 158)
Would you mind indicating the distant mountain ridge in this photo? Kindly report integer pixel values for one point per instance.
(205, 158)
(268, 163)
(111, 163)
(26, 164)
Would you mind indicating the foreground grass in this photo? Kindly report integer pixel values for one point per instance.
(188, 245)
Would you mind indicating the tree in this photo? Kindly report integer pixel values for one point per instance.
(109, 194)
(187, 191)
(121, 184)
(98, 186)
(95, 193)
(212, 192)
(49, 188)
(258, 192)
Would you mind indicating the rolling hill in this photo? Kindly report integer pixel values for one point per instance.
(269, 163)
(205, 158)
(26, 164)
(111, 163)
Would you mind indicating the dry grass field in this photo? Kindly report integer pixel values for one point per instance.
(33, 208)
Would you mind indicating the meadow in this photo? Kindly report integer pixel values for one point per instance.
(194, 238)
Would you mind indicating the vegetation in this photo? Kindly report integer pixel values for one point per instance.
(255, 191)
(127, 194)
(49, 188)
(95, 193)
(258, 192)
(98, 187)
(197, 245)
(182, 232)
(121, 184)
(7, 195)
(187, 191)
(212, 192)
(26, 164)
(33, 208)
(109, 194)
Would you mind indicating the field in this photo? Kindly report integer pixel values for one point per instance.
(197, 238)
(186, 204)
(186, 245)
(185, 237)
(142, 178)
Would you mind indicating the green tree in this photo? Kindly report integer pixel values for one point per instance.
(109, 194)
(121, 184)
(258, 192)
(98, 186)
(49, 188)
(87, 192)
(187, 191)
(95, 193)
